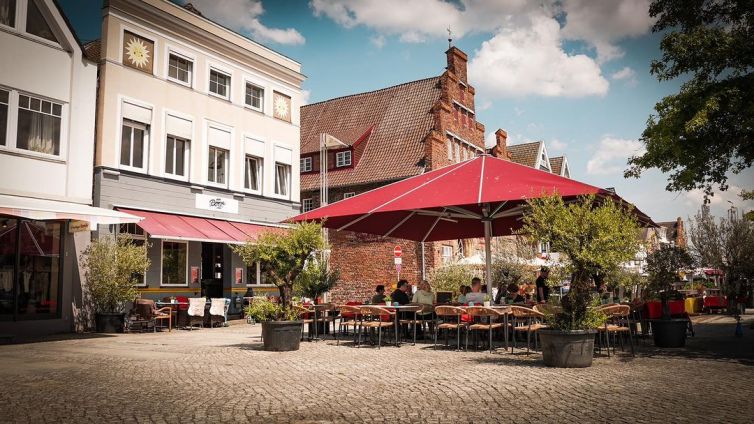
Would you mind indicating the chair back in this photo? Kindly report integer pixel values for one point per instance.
(616, 311)
(196, 306)
(449, 311)
(482, 311)
(371, 312)
(144, 308)
(217, 306)
(523, 312)
(182, 299)
(546, 309)
(350, 311)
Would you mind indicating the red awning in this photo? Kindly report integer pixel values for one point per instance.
(181, 227)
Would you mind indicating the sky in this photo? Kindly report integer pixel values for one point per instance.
(573, 73)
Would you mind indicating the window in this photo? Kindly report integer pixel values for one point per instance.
(447, 254)
(8, 12)
(306, 164)
(176, 155)
(343, 159)
(4, 100)
(307, 205)
(218, 164)
(31, 268)
(349, 194)
(282, 179)
(36, 23)
(133, 144)
(38, 125)
(174, 255)
(449, 142)
(544, 247)
(180, 69)
(458, 152)
(257, 274)
(253, 170)
(219, 83)
(254, 96)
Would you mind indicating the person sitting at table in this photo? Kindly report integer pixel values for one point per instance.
(426, 298)
(513, 296)
(400, 294)
(476, 296)
(462, 296)
(379, 295)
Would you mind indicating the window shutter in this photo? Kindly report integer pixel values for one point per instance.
(283, 155)
(136, 113)
(218, 138)
(178, 127)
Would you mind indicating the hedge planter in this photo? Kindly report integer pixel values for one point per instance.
(281, 336)
(109, 322)
(669, 332)
(567, 349)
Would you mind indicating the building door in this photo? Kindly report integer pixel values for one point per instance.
(213, 271)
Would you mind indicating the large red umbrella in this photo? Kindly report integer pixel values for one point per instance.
(481, 197)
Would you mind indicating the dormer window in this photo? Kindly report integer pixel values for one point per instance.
(306, 164)
(343, 159)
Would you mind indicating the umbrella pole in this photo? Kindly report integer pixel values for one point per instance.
(488, 254)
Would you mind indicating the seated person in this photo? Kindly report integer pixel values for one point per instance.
(400, 294)
(513, 296)
(425, 297)
(462, 296)
(476, 296)
(379, 295)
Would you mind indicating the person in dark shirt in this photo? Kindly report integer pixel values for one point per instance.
(379, 295)
(543, 292)
(400, 294)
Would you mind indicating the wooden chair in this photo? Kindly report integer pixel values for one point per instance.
(327, 313)
(408, 319)
(148, 311)
(373, 317)
(196, 311)
(483, 314)
(350, 316)
(618, 323)
(449, 318)
(527, 321)
(304, 313)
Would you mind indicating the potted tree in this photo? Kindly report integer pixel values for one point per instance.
(663, 266)
(592, 236)
(286, 253)
(316, 279)
(112, 267)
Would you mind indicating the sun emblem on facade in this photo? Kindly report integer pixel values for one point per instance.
(137, 53)
(281, 107)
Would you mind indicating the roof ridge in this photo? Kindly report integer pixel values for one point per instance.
(372, 92)
(526, 144)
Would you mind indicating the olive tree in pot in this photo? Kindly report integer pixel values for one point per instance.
(592, 235)
(286, 253)
(663, 266)
(112, 267)
(315, 280)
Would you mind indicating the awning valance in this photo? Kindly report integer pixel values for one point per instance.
(44, 210)
(191, 228)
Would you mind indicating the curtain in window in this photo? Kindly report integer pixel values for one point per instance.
(38, 132)
(281, 180)
(7, 12)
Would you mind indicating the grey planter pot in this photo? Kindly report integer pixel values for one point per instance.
(567, 349)
(281, 336)
(669, 333)
(111, 322)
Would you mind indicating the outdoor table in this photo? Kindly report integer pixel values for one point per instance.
(395, 310)
(314, 308)
(171, 305)
(505, 310)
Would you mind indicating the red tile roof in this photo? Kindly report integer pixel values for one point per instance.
(92, 50)
(525, 154)
(402, 118)
(556, 164)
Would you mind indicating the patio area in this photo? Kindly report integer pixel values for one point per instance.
(222, 375)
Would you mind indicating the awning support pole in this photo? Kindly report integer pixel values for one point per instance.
(487, 248)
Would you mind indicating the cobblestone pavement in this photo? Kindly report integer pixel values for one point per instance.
(222, 375)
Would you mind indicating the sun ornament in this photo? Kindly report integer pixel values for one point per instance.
(281, 107)
(137, 53)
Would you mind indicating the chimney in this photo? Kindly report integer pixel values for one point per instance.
(457, 63)
(500, 150)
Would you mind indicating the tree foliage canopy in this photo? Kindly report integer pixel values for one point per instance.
(706, 129)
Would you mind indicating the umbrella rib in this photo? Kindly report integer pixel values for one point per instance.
(463, 211)
(400, 223)
(355, 221)
(434, 224)
(497, 209)
(481, 180)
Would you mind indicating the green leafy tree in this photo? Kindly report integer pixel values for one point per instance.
(707, 128)
(316, 278)
(452, 276)
(592, 235)
(663, 266)
(286, 253)
(113, 266)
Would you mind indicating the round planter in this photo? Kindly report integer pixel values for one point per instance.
(669, 332)
(567, 349)
(281, 336)
(109, 322)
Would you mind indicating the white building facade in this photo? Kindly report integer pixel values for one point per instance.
(197, 133)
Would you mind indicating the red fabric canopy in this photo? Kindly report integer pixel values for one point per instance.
(452, 202)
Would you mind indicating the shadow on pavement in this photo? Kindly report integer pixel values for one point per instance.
(56, 338)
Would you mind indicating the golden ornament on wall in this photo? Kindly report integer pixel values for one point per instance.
(281, 106)
(138, 52)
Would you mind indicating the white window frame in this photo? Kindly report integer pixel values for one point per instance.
(306, 164)
(340, 159)
(307, 204)
(449, 142)
(227, 167)
(145, 148)
(162, 251)
(11, 135)
(192, 73)
(247, 83)
(16, 20)
(260, 174)
(230, 82)
(186, 159)
(349, 194)
(446, 258)
(544, 247)
(289, 184)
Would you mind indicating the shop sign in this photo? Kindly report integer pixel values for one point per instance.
(78, 226)
(216, 203)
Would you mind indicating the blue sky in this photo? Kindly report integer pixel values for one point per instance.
(573, 73)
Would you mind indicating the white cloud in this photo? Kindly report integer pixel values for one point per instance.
(602, 23)
(555, 145)
(626, 74)
(378, 41)
(528, 59)
(611, 155)
(243, 16)
(305, 95)
(490, 140)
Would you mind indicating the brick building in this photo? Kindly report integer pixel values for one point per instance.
(388, 135)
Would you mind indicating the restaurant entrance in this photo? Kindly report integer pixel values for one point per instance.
(213, 270)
